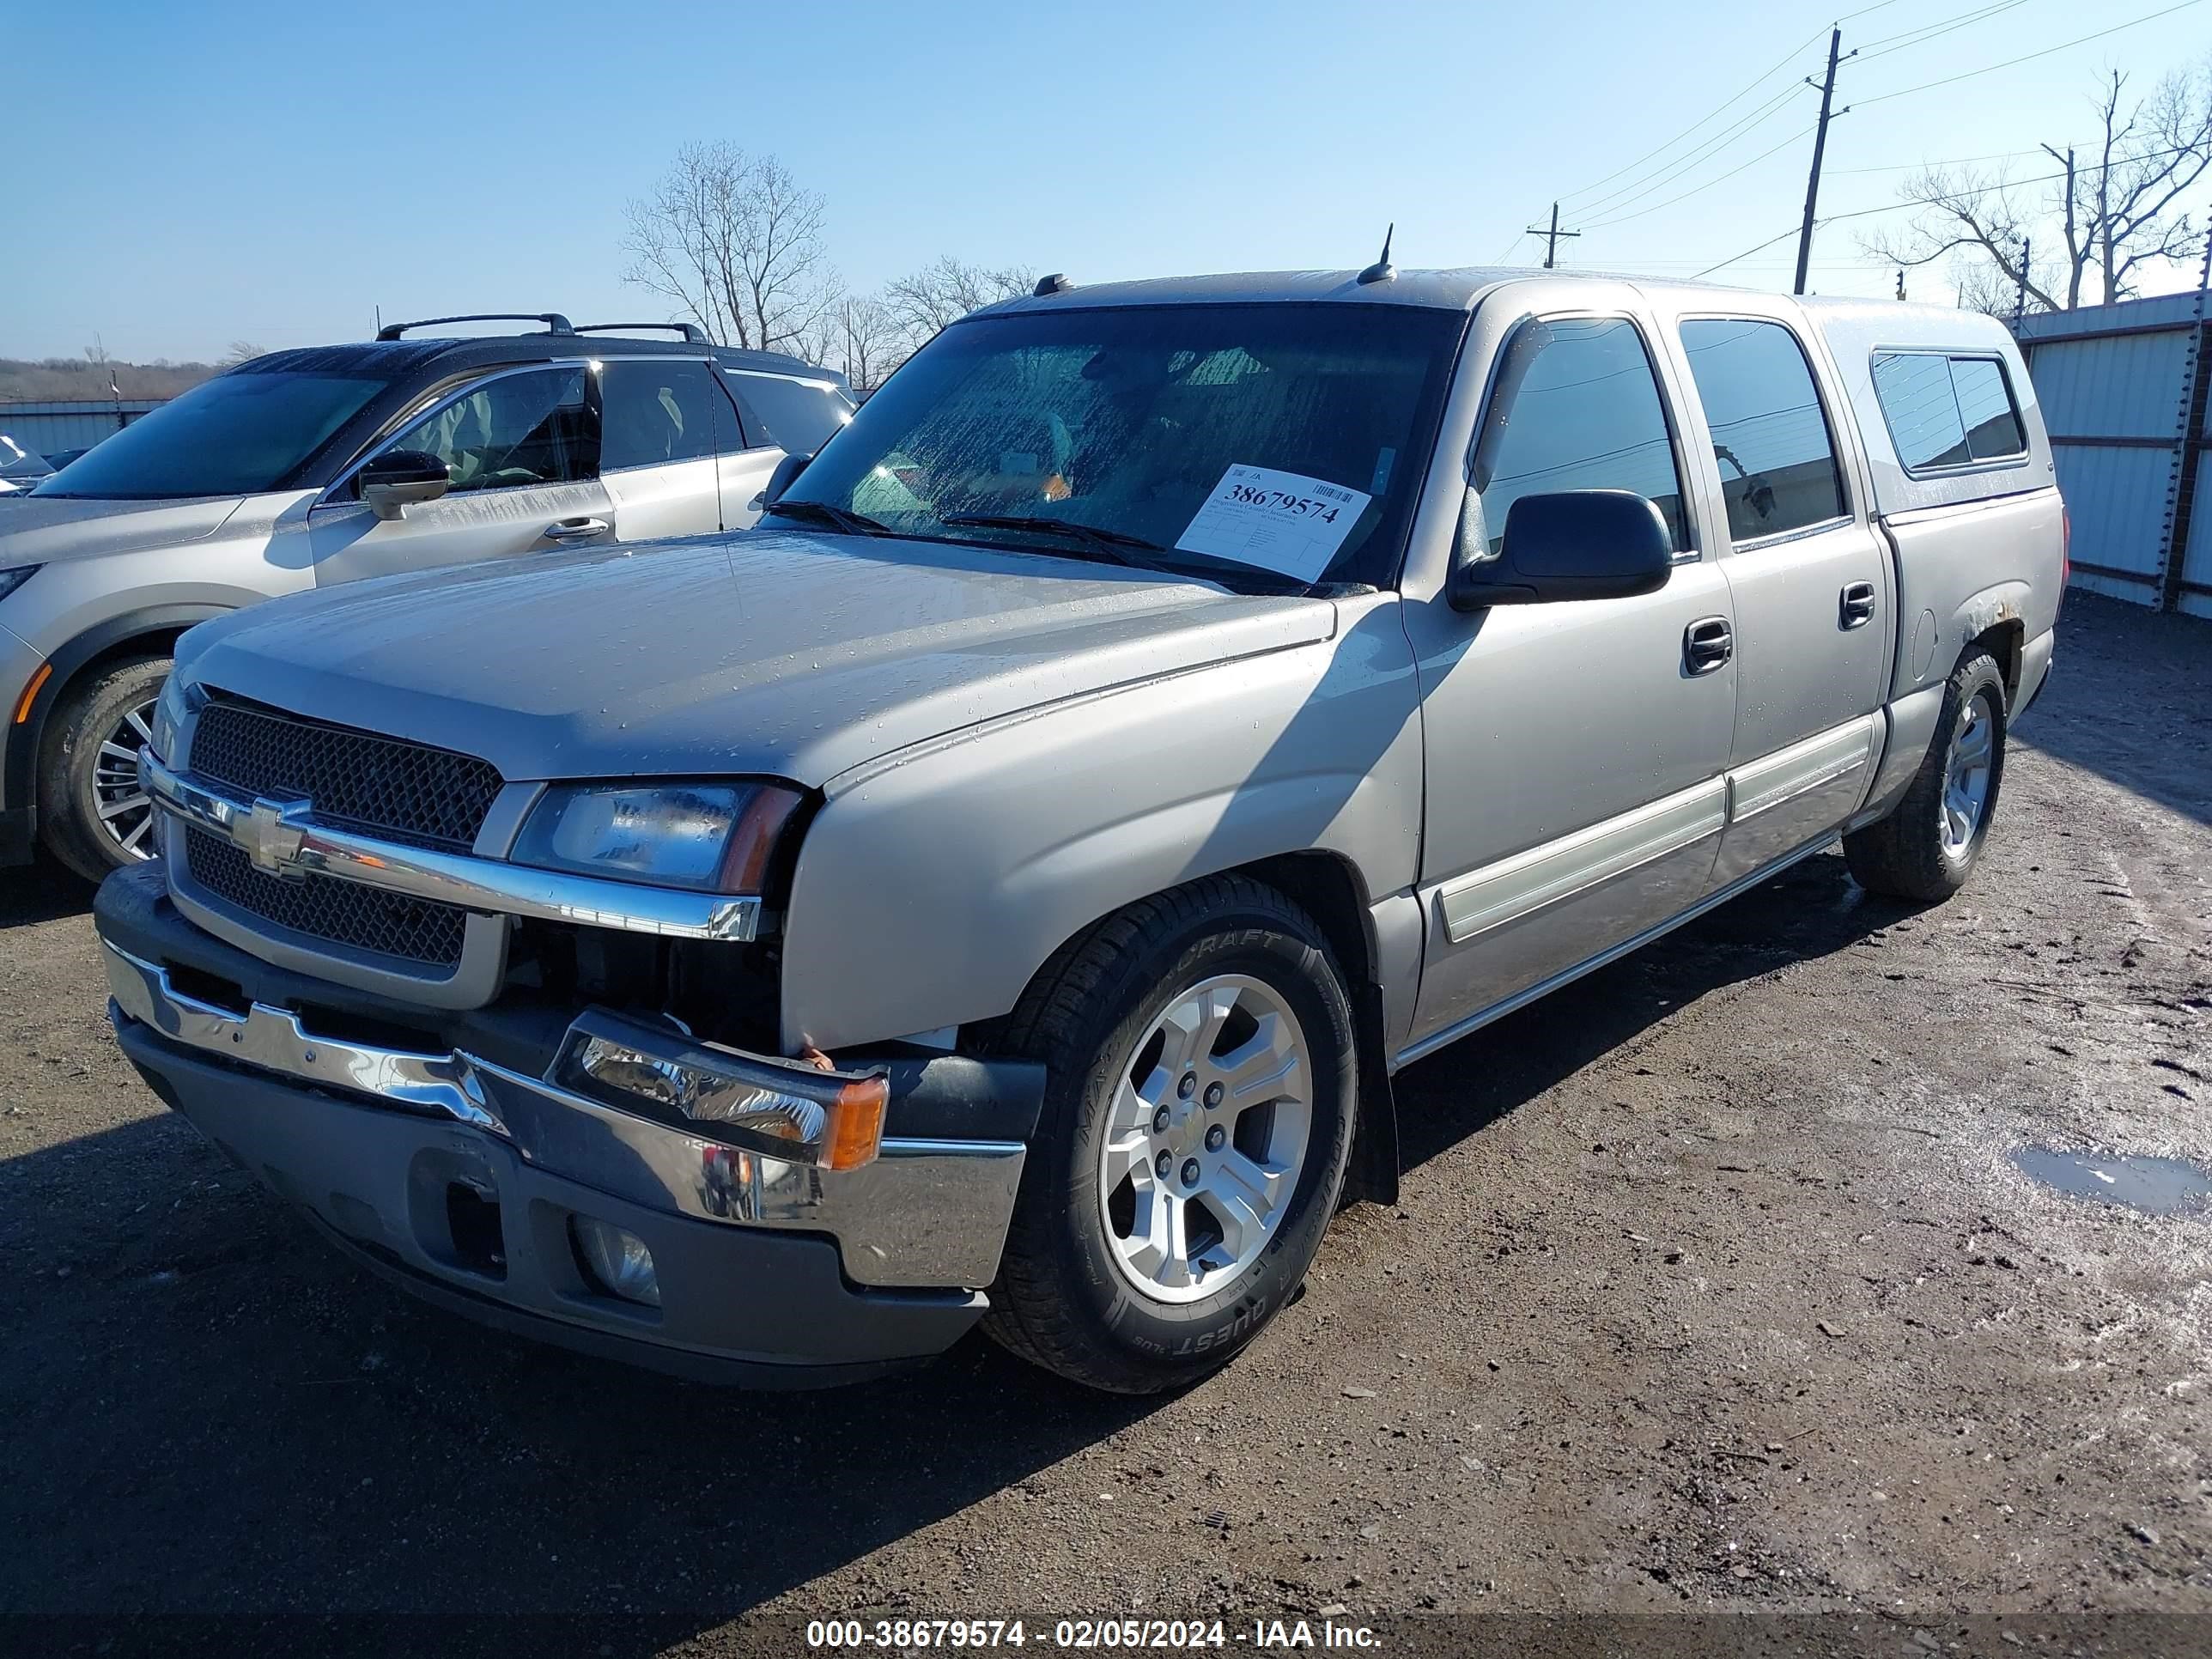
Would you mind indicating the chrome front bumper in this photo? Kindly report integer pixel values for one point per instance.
(926, 1213)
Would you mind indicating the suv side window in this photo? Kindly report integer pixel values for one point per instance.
(799, 416)
(1576, 406)
(654, 411)
(1777, 459)
(534, 428)
(1948, 411)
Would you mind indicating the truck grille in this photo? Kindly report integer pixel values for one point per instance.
(342, 912)
(428, 797)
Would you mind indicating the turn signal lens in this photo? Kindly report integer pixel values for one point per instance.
(832, 1120)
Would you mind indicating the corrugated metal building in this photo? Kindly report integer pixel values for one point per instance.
(2123, 389)
(47, 427)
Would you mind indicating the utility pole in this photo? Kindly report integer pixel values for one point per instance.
(2020, 299)
(1819, 148)
(1552, 237)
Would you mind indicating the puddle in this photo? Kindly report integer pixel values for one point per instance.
(2155, 1186)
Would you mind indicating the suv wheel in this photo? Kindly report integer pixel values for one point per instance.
(1202, 1087)
(92, 813)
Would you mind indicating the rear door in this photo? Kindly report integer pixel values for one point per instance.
(779, 414)
(657, 446)
(1809, 578)
(521, 448)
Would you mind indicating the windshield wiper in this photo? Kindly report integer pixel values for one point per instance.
(1116, 545)
(837, 517)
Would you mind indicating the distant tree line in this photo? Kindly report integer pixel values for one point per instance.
(82, 379)
(734, 243)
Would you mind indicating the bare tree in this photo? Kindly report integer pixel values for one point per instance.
(733, 243)
(866, 341)
(948, 291)
(242, 351)
(2090, 232)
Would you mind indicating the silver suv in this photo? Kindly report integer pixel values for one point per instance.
(302, 469)
(1005, 884)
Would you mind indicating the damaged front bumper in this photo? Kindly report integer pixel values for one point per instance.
(466, 1177)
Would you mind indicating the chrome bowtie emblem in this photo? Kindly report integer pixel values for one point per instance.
(270, 839)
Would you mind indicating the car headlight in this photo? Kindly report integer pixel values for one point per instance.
(12, 579)
(716, 837)
(169, 719)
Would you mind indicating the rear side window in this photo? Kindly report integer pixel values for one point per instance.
(1947, 411)
(654, 412)
(798, 417)
(1771, 436)
(1576, 407)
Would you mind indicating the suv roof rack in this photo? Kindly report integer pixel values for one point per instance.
(554, 321)
(691, 333)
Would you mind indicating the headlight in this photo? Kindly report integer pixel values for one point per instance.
(169, 719)
(12, 579)
(716, 837)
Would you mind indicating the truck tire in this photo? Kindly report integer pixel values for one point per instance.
(92, 813)
(1201, 1089)
(1929, 844)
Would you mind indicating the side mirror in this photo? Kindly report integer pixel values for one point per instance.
(787, 469)
(398, 478)
(1574, 544)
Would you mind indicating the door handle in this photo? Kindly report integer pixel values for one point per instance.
(1707, 643)
(575, 530)
(1856, 604)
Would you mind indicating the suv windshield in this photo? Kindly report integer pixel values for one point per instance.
(1285, 438)
(237, 434)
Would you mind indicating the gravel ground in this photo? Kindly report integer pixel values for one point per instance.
(1712, 1288)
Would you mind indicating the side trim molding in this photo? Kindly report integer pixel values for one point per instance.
(1512, 888)
(1789, 773)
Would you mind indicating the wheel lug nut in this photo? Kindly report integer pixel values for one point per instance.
(1160, 1122)
(1213, 1095)
(1188, 1086)
(1190, 1172)
(1215, 1137)
(1163, 1164)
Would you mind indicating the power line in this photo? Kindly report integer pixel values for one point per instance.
(1883, 98)
(1914, 37)
(1738, 98)
(1696, 189)
(1668, 172)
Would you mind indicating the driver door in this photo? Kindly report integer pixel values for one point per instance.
(521, 450)
(1576, 749)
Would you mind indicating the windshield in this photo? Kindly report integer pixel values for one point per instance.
(1283, 438)
(236, 434)
(18, 462)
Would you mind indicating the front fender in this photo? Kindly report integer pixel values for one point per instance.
(933, 884)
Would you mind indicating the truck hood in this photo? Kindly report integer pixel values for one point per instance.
(773, 652)
(48, 529)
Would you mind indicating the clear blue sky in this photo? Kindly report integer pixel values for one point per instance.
(183, 176)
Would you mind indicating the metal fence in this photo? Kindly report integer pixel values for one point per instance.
(69, 423)
(2123, 389)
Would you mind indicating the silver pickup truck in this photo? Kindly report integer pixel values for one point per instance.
(1001, 886)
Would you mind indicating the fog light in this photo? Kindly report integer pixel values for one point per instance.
(615, 1261)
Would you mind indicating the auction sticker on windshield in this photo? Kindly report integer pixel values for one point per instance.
(1276, 520)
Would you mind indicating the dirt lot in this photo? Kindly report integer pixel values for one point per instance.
(1712, 1287)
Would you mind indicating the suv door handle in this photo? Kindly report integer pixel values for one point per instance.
(575, 530)
(1707, 643)
(1856, 604)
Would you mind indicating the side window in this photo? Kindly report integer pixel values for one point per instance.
(653, 412)
(530, 429)
(1947, 411)
(1771, 436)
(1993, 429)
(1575, 407)
(1914, 391)
(796, 416)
